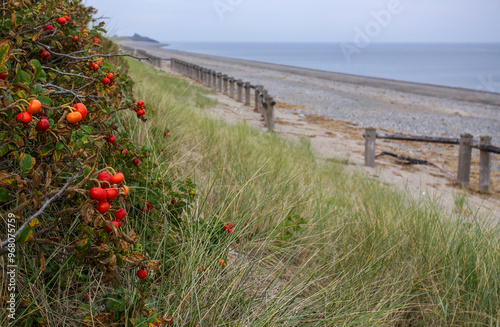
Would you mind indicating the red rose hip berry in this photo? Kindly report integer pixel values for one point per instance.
(45, 55)
(61, 21)
(103, 207)
(120, 214)
(136, 161)
(117, 179)
(98, 194)
(111, 193)
(105, 176)
(43, 125)
(24, 117)
(141, 112)
(118, 224)
(105, 81)
(140, 104)
(142, 273)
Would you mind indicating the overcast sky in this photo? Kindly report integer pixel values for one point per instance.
(304, 20)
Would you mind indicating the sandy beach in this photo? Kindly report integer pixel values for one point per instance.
(333, 109)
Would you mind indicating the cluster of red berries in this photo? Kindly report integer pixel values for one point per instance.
(107, 80)
(140, 108)
(104, 195)
(228, 227)
(63, 20)
(33, 108)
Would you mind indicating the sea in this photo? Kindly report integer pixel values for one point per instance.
(465, 65)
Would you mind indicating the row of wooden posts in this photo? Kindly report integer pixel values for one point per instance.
(264, 103)
(466, 142)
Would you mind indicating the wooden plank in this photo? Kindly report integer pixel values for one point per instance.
(487, 147)
(417, 138)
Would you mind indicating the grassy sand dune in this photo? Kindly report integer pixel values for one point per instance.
(312, 245)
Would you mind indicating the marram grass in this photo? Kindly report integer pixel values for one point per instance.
(313, 245)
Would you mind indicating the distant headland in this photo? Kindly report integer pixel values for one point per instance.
(138, 38)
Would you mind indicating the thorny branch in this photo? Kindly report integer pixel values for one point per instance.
(39, 212)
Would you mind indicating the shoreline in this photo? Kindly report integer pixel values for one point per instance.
(424, 89)
(402, 107)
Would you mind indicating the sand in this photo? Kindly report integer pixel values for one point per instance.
(332, 110)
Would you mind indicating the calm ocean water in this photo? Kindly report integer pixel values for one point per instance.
(471, 66)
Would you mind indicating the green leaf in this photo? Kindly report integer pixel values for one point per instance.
(79, 143)
(4, 150)
(4, 55)
(38, 88)
(27, 163)
(4, 195)
(59, 145)
(86, 171)
(25, 235)
(21, 76)
(44, 100)
(57, 155)
(86, 128)
(37, 68)
(46, 150)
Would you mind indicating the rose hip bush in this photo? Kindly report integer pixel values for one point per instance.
(63, 91)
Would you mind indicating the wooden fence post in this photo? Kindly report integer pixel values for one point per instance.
(239, 83)
(370, 138)
(231, 87)
(224, 77)
(263, 107)
(258, 104)
(209, 78)
(247, 93)
(464, 159)
(270, 112)
(484, 166)
(219, 81)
